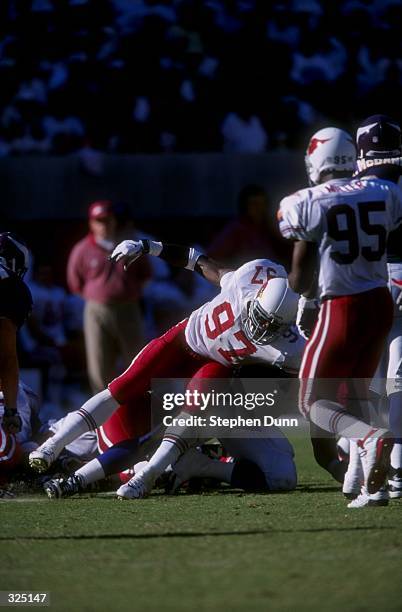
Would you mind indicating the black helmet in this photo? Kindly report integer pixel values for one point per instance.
(378, 136)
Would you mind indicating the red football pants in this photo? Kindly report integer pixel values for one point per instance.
(347, 343)
(165, 357)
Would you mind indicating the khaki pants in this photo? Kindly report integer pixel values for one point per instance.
(113, 335)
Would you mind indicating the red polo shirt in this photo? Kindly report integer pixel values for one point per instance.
(91, 275)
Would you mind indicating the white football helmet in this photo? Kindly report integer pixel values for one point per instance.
(272, 311)
(329, 149)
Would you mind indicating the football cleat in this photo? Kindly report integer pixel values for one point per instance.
(63, 487)
(42, 458)
(192, 464)
(139, 486)
(376, 453)
(395, 483)
(365, 500)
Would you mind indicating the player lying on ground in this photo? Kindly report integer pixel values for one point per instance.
(232, 329)
(340, 226)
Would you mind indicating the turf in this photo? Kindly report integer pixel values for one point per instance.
(300, 551)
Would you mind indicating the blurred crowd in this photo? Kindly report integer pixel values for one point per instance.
(151, 76)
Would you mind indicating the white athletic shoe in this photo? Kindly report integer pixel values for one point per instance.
(191, 464)
(139, 486)
(42, 458)
(376, 499)
(375, 453)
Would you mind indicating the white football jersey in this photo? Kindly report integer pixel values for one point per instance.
(350, 220)
(215, 330)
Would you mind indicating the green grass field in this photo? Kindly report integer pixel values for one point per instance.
(224, 551)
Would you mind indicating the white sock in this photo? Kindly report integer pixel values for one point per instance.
(396, 456)
(93, 413)
(332, 417)
(166, 454)
(90, 472)
(354, 476)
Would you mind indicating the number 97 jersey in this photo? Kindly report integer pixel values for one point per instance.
(216, 331)
(350, 220)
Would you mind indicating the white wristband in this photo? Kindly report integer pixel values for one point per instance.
(193, 256)
(155, 248)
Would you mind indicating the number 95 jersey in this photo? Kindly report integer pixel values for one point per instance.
(350, 220)
(215, 330)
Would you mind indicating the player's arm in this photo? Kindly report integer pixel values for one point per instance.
(9, 374)
(304, 265)
(176, 255)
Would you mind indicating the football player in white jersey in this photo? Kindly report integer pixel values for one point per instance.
(248, 322)
(340, 226)
(378, 141)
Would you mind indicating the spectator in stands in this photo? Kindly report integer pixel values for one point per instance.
(247, 236)
(113, 325)
(243, 132)
(59, 59)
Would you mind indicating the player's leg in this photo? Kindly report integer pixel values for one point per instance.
(325, 452)
(350, 345)
(342, 348)
(195, 464)
(377, 444)
(162, 357)
(354, 477)
(394, 382)
(121, 440)
(92, 414)
(176, 440)
(314, 359)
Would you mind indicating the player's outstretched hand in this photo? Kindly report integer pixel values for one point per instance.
(127, 252)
